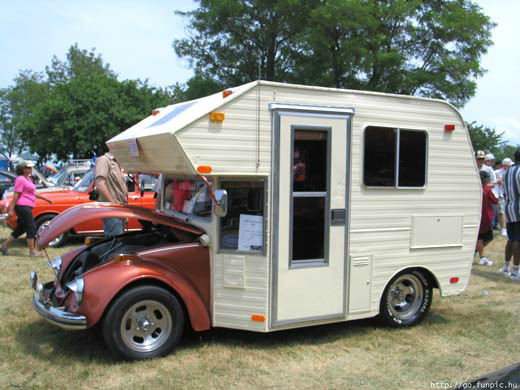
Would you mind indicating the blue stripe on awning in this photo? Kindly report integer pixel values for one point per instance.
(176, 111)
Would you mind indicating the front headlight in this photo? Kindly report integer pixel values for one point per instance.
(77, 286)
(56, 264)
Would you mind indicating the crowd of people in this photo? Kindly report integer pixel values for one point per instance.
(500, 209)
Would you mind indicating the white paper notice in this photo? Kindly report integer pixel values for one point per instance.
(250, 234)
(133, 149)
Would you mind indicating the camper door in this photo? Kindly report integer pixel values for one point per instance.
(310, 213)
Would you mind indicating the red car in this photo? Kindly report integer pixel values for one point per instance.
(140, 287)
(62, 199)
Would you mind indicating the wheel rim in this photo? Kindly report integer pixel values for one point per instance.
(57, 239)
(146, 326)
(405, 296)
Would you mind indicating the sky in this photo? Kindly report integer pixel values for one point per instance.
(135, 38)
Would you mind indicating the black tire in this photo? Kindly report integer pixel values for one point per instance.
(58, 241)
(406, 300)
(143, 323)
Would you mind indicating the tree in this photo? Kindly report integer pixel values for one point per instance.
(485, 138)
(16, 111)
(82, 104)
(417, 47)
(237, 41)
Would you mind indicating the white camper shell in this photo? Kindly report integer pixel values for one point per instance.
(341, 204)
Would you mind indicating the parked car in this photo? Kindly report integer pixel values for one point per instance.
(71, 173)
(6, 181)
(159, 277)
(63, 199)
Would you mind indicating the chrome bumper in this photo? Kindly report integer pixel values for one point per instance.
(55, 315)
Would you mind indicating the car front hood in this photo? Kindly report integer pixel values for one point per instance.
(90, 211)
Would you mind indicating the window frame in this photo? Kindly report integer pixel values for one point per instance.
(311, 263)
(398, 130)
(264, 181)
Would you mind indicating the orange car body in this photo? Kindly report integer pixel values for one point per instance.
(62, 199)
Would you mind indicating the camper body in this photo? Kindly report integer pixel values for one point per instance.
(341, 204)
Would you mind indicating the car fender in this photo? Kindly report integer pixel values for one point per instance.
(104, 283)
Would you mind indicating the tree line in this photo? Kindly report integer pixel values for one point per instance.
(428, 48)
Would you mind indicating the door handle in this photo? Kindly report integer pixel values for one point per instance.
(134, 197)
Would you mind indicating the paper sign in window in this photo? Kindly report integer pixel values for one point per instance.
(250, 234)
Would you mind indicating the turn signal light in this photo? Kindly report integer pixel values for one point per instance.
(204, 169)
(454, 280)
(155, 112)
(216, 116)
(122, 257)
(226, 93)
(258, 317)
(449, 127)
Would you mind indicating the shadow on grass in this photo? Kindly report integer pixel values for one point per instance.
(489, 274)
(47, 342)
(313, 335)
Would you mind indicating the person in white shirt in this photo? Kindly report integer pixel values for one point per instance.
(506, 164)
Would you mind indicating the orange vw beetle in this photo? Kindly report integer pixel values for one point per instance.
(62, 199)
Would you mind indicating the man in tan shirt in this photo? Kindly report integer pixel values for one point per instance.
(111, 186)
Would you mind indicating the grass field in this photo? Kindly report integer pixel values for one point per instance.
(463, 337)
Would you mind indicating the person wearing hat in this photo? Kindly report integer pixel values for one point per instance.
(499, 173)
(24, 199)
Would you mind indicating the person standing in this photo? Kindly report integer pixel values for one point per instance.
(23, 202)
(485, 233)
(512, 213)
(111, 186)
(480, 157)
(506, 164)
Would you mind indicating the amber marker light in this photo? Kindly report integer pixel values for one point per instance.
(449, 128)
(204, 169)
(216, 116)
(454, 280)
(258, 317)
(226, 93)
(155, 112)
(123, 257)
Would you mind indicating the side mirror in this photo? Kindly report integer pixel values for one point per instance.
(141, 186)
(221, 207)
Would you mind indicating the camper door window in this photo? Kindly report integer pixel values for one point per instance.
(395, 157)
(188, 196)
(242, 229)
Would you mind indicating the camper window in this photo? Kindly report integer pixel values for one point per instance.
(242, 229)
(395, 157)
(310, 189)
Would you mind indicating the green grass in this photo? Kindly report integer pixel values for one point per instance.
(462, 337)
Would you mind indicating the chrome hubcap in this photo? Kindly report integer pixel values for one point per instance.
(406, 296)
(146, 326)
(56, 240)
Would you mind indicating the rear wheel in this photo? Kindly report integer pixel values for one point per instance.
(406, 300)
(144, 322)
(43, 221)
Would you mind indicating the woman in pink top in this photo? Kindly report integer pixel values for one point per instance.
(23, 202)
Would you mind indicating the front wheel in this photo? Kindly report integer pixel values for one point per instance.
(42, 222)
(406, 299)
(144, 322)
